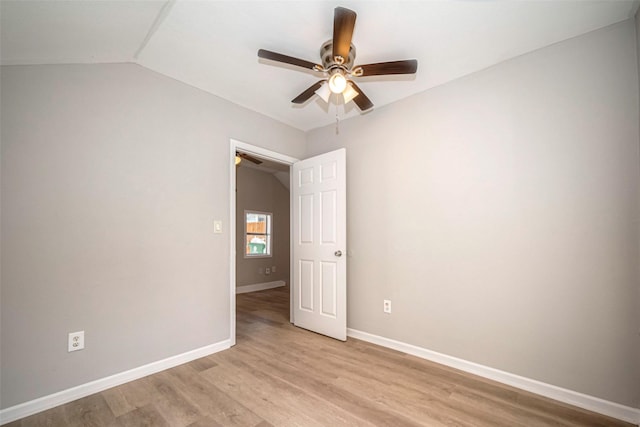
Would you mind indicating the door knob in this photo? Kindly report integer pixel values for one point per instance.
(338, 253)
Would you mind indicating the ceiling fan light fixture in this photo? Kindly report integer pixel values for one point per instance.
(338, 56)
(324, 92)
(337, 82)
(349, 93)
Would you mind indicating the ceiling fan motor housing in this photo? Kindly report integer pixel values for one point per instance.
(328, 62)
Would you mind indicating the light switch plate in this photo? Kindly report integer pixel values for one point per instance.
(217, 226)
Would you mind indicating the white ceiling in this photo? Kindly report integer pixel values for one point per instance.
(213, 45)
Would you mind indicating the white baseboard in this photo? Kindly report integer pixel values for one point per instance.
(47, 402)
(590, 403)
(259, 286)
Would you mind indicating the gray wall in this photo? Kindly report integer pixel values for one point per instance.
(262, 191)
(112, 176)
(637, 22)
(499, 213)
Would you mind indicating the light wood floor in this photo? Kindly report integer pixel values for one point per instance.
(280, 375)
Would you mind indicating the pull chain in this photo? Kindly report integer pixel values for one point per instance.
(337, 119)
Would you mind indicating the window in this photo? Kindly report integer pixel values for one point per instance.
(257, 231)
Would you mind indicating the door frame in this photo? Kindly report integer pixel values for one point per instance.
(267, 154)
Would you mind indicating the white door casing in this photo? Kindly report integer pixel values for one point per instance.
(263, 153)
(319, 244)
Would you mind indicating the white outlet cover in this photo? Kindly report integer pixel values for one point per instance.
(76, 341)
(386, 306)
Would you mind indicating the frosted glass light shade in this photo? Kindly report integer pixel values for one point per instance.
(324, 92)
(337, 83)
(349, 93)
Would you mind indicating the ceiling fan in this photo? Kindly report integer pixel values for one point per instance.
(244, 156)
(338, 55)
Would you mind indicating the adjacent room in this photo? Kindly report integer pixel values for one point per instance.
(314, 213)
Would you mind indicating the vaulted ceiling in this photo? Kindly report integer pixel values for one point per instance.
(213, 45)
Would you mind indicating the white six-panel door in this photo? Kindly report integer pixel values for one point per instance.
(319, 244)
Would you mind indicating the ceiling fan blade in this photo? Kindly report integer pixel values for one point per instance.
(343, 22)
(274, 56)
(361, 99)
(304, 96)
(249, 158)
(409, 66)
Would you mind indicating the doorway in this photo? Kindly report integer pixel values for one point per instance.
(273, 158)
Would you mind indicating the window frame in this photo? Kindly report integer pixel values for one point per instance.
(268, 235)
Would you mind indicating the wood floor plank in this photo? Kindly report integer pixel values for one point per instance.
(307, 385)
(136, 394)
(51, 418)
(206, 422)
(212, 401)
(117, 401)
(572, 415)
(91, 411)
(287, 404)
(147, 416)
(268, 407)
(506, 410)
(383, 386)
(177, 410)
(318, 385)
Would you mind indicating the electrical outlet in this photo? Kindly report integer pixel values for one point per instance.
(76, 341)
(267, 271)
(273, 269)
(386, 306)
